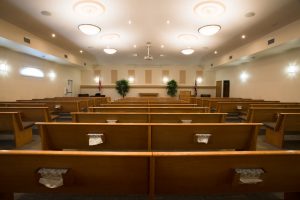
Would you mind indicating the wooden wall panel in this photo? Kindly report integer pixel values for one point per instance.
(131, 73)
(199, 73)
(114, 76)
(165, 73)
(182, 76)
(148, 76)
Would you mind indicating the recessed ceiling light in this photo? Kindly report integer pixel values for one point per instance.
(250, 14)
(110, 50)
(209, 30)
(161, 55)
(215, 52)
(81, 51)
(89, 8)
(209, 9)
(187, 37)
(135, 54)
(89, 29)
(188, 51)
(168, 22)
(129, 22)
(110, 37)
(134, 46)
(53, 35)
(162, 46)
(46, 13)
(243, 36)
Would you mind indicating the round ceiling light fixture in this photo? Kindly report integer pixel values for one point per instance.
(209, 9)
(209, 30)
(89, 8)
(187, 37)
(89, 29)
(110, 51)
(110, 37)
(188, 51)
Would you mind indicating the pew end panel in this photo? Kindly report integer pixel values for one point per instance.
(287, 123)
(11, 122)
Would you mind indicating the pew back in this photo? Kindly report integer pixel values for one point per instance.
(261, 114)
(150, 109)
(191, 173)
(33, 114)
(106, 173)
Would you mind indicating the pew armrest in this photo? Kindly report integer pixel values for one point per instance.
(270, 125)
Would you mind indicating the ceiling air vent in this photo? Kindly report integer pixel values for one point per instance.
(271, 41)
(27, 40)
(66, 56)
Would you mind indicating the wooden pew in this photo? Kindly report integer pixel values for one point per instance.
(101, 117)
(198, 173)
(105, 173)
(129, 136)
(18, 104)
(12, 122)
(151, 173)
(268, 114)
(149, 105)
(276, 105)
(204, 136)
(286, 122)
(187, 117)
(32, 114)
(147, 136)
(150, 109)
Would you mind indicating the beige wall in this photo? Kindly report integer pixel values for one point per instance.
(88, 76)
(13, 86)
(267, 78)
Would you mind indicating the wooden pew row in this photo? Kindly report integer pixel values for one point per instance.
(150, 109)
(149, 105)
(106, 173)
(92, 101)
(240, 106)
(18, 104)
(11, 123)
(150, 173)
(63, 106)
(286, 123)
(195, 173)
(277, 105)
(148, 136)
(235, 106)
(101, 117)
(32, 114)
(268, 114)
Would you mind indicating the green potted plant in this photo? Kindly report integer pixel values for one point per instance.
(172, 88)
(122, 86)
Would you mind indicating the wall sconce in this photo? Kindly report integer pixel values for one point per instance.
(165, 79)
(131, 79)
(199, 80)
(292, 70)
(244, 76)
(3, 69)
(52, 75)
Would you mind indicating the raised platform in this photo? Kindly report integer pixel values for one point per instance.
(147, 94)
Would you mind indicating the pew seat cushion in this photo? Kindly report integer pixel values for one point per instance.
(270, 124)
(27, 124)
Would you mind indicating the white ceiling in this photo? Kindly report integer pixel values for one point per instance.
(149, 24)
